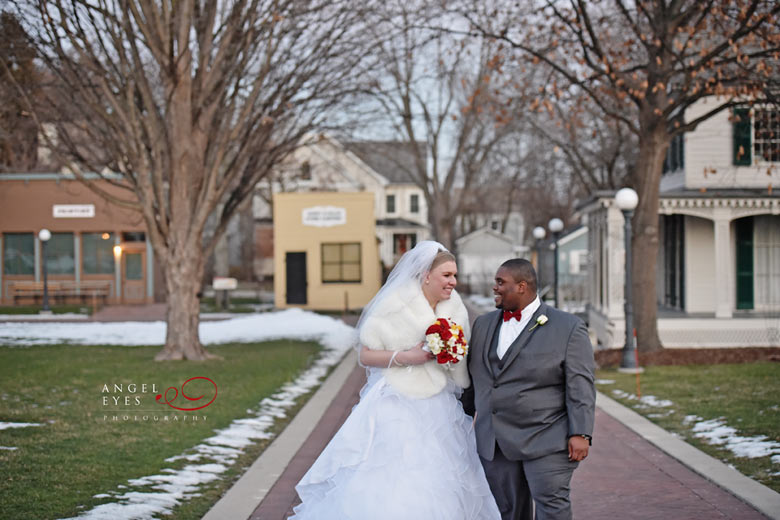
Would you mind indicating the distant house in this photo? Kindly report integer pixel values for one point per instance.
(718, 266)
(479, 255)
(324, 164)
(573, 269)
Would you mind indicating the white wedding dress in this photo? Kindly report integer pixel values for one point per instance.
(398, 458)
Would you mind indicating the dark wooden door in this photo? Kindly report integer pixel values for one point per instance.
(296, 278)
(744, 232)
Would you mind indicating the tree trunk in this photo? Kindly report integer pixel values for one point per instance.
(443, 228)
(653, 144)
(183, 277)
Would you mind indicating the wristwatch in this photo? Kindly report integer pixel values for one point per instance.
(584, 436)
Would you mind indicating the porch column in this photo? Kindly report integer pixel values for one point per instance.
(724, 268)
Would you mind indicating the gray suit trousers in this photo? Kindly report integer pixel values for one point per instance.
(518, 484)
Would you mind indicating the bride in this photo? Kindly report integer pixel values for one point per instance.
(407, 451)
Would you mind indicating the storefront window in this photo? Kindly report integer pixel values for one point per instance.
(18, 253)
(60, 258)
(341, 263)
(98, 249)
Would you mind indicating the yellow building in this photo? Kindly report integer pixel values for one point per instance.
(326, 255)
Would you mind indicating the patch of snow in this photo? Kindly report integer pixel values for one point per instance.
(660, 415)
(646, 401)
(9, 448)
(290, 323)
(484, 302)
(651, 400)
(605, 382)
(7, 425)
(157, 495)
(717, 432)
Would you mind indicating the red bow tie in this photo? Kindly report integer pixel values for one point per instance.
(508, 315)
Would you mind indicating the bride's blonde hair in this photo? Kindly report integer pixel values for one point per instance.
(441, 257)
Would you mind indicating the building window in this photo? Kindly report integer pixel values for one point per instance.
(741, 135)
(390, 203)
(403, 242)
(306, 171)
(60, 257)
(759, 137)
(341, 263)
(578, 261)
(414, 203)
(133, 236)
(18, 253)
(766, 126)
(98, 253)
(675, 155)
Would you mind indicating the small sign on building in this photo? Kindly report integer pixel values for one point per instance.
(73, 210)
(324, 216)
(222, 283)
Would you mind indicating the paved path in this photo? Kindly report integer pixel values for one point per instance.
(624, 477)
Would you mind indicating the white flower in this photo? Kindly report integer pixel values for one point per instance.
(541, 320)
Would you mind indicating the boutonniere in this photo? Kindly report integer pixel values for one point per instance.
(541, 320)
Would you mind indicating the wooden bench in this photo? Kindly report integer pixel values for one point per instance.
(63, 291)
(85, 289)
(32, 290)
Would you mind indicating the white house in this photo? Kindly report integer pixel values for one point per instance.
(479, 255)
(325, 164)
(718, 266)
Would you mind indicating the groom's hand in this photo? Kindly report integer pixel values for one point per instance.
(578, 448)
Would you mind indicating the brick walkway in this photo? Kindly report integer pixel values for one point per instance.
(624, 477)
(149, 312)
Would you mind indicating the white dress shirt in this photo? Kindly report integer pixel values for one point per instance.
(512, 328)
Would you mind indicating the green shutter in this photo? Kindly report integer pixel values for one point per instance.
(742, 137)
(744, 232)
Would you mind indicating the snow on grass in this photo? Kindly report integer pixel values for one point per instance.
(484, 302)
(290, 323)
(7, 425)
(646, 401)
(717, 432)
(605, 381)
(154, 496)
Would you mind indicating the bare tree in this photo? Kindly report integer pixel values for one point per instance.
(18, 134)
(442, 95)
(599, 152)
(644, 63)
(191, 103)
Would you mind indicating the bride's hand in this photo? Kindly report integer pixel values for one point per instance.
(415, 355)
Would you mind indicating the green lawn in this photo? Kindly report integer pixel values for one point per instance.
(80, 451)
(35, 309)
(745, 396)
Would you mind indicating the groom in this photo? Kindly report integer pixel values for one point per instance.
(532, 368)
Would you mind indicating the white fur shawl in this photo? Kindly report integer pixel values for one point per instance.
(399, 323)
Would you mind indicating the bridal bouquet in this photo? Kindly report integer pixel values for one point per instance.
(445, 340)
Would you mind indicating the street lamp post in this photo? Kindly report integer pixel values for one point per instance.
(556, 226)
(626, 200)
(539, 234)
(44, 235)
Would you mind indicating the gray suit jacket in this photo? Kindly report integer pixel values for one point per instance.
(543, 394)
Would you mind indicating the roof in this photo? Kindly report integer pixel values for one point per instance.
(394, 160)
(709, 193)
(398, 222)
(572, 234)
(485, 231)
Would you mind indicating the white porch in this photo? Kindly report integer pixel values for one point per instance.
(697, 271)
